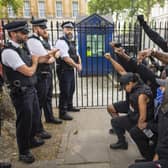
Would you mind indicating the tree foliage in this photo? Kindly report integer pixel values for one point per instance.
(15, 4)
(134, 6)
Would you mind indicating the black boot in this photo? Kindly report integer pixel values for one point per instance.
(26, 157)
(5, 165)
(54, 121)
(66, 116)
(119, 145)
(73, 109)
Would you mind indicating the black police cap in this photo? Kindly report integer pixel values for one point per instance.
(68, 24)
(40, 22)
(17, 26)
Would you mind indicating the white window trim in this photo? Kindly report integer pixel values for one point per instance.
(72, 8)
(11, 16)
(29, 10)
(56, 9)
(39, 9)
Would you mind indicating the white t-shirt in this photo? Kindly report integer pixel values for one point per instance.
(11, 58)
(35, 47)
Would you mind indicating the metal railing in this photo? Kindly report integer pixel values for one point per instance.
(96, 85)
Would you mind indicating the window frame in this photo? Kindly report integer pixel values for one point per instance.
(24, 9)
(57, 8)
(39, 13)
(73, 11)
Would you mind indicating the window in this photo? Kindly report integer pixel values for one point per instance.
(10, 12)
(58, 8)
(41, 7)
(74, 9)
(26, 9)
(95, 45)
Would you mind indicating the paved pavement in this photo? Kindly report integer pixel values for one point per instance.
(86, 142)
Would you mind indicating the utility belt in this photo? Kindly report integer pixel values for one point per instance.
(16, 88)
(63, 69)
(44, 74)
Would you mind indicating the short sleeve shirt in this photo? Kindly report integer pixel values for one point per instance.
(11, 58)
(36, 47)
(63, 47)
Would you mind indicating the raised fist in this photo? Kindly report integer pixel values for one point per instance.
(140, 19)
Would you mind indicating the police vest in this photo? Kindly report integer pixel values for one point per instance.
(72, 53)
(133, 101)
(14, 77)
(42, 67)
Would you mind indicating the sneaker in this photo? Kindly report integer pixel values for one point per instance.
(119, 145)
(27, 157)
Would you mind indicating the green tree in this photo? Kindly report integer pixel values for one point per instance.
(15, 4)
(146, 6)
(134, 6)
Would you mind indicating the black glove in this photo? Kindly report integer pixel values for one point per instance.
(141, 19)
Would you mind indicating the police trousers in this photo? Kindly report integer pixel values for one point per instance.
(67, 88)
(152, 164)
(28, 116)
(44, 88)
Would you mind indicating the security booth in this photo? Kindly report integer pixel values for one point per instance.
(94, 34)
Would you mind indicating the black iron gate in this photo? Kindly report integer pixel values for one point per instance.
(94, 90)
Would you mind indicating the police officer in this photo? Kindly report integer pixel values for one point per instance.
(20, 70)
(36, 47)
(160, 159)
(47, 85)
(69, 59)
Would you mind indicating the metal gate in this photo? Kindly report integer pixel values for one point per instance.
(101, 89)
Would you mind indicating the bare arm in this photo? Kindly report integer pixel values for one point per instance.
(120, 51)
(142, 104)
(156, 157)
(162, 56)
(70, 61)
(29, 71)
(115, 64)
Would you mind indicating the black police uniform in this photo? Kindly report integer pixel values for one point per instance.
(44, 80)
(43, 73)
(66, 78)
(45, 87)
(154, 36)
(25, 100)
